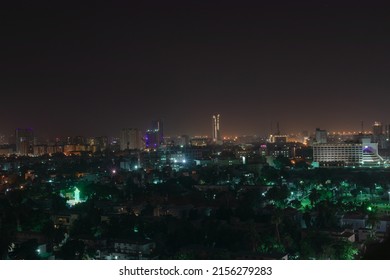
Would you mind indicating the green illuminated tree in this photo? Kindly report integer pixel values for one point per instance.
(345, 250)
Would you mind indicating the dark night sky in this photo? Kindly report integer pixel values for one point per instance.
(69, 68)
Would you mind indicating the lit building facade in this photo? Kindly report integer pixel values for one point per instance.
(277, 149)
(216, 133)
(349, 154)
(131, 138)
(279, 139)
(200, 141)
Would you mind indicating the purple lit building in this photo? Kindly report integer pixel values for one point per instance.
(154, 137)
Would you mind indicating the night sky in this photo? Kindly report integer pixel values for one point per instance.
(90, 69)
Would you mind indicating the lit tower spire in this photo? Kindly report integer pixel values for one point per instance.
(216, 131)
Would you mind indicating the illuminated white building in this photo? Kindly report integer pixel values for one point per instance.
(350, 154)
(216, 131)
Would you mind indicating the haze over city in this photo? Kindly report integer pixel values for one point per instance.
(92, 70)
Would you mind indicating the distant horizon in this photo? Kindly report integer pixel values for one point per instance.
(367, 129)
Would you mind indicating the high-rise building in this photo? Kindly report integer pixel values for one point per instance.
(24, 140)
(158, 125)
(321, 136)
(379, 136)
(377, 129)
(216, 135)
(130, 138)
(154, 137)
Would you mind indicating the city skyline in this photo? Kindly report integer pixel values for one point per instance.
(273, 130)
(82, 70)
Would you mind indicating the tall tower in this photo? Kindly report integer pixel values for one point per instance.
(159, 127)
(216, 131)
